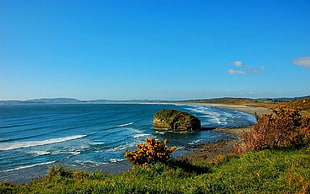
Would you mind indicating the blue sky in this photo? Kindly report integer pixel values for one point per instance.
(154, 49)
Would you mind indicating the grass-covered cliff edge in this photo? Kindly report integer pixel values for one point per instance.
(267, 171)
(269, 168)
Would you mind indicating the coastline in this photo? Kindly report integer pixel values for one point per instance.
(204, 151)
(208, 151)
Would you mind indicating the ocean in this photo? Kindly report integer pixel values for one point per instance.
(34, 137)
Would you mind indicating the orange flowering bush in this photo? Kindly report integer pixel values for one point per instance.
(282, 128)
(151, 151)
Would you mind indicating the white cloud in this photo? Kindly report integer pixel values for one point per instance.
(245, 69)
(238, 63)
(302, 61)
(241, 64)
(231, 71)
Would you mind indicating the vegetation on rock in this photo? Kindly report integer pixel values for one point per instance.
(176, 120)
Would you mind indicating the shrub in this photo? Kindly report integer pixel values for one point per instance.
(305, 128)
(282, 128)
(151, 151)
(64, 172)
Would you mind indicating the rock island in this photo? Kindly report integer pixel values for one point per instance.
(176, 120)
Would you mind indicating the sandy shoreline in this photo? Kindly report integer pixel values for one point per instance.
(208, 151)
(242, 108)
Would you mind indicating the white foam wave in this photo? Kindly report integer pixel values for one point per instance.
(39, 153)
(88, 163)
(115, 160)
(96, 143)
(71, 151)
(141, 135)
(125, 125)
(195, 142)
(160, 132)
(122, 147)
(213, 116)
(180, 147)
(28, 166)
(26, 144)
(199, 109)
(216, 120)
(74, 153)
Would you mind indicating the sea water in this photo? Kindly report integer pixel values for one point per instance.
(34, 137)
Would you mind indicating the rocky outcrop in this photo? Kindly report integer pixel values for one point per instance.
(175, 120)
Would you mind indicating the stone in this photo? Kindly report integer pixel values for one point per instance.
(175, 120)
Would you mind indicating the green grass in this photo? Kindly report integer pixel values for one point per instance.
(267, 171)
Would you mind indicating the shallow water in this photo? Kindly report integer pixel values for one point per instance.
(92, 136)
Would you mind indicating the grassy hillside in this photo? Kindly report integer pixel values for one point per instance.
(302, 102)
(268, 171)
(226, 100)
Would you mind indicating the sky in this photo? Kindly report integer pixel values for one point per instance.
(154, 49)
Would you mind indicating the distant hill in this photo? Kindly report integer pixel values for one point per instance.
(68, 101)
(42, 101)
(244, 101)
(302, 102)
(53, 100)
(226, 100)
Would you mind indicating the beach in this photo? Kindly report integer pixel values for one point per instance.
(208, 151)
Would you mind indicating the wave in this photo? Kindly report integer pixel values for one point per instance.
(28, 166)
(122, 147)
(26, 144)
(113, 160)
(213, 116)
(195, 142)
(39, 153)
(88, 163)
(74, 153)
(125, 125)
(141, 135)
(160, 132)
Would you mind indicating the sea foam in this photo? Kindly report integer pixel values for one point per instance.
(28, 166)
(141, 135)
(124, 125)
(26, 144)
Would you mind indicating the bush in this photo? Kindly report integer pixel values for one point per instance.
(64, 172)
(150, 152)
(282, 128)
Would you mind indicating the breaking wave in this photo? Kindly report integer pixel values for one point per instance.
(28, 166)
(26, 144)
(125, 125)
